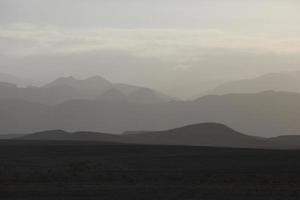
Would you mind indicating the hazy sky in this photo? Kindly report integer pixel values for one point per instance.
(180, 47)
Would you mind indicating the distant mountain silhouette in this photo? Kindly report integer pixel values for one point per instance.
(49, 96)
(125, 88)
(70, 81)
(89, 88)
(205, 134)
(19, 81)
(91, 82)
(69, 88)
(63, 135)
(289, 82)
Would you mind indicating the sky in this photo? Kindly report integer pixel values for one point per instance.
(182, 48)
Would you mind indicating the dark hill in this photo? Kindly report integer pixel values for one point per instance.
(286, 140)
(205, 134)
(48, 135)
(65, 136)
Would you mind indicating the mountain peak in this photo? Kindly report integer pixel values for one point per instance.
(95, 79)
(91, 82)
(70, 80)
(211, 126)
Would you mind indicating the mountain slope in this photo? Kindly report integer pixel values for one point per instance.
(113, 95)
(95, 87)
(89, 87)
(19, 116)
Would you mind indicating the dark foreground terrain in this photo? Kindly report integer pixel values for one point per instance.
(86, 170)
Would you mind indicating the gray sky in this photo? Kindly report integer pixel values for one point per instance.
(180, 47)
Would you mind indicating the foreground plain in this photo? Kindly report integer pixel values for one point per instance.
(107, 171)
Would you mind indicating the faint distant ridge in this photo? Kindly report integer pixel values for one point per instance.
(106, 90)
(97, 87)
(289, 82)
(95, 83)
(69, 88)
(18, 81)
(203, 134)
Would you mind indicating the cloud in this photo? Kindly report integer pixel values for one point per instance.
(180, 46)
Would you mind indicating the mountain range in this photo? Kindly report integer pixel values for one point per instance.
(205, 134)
(69, 88)
(263, 114)
(97, 105)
